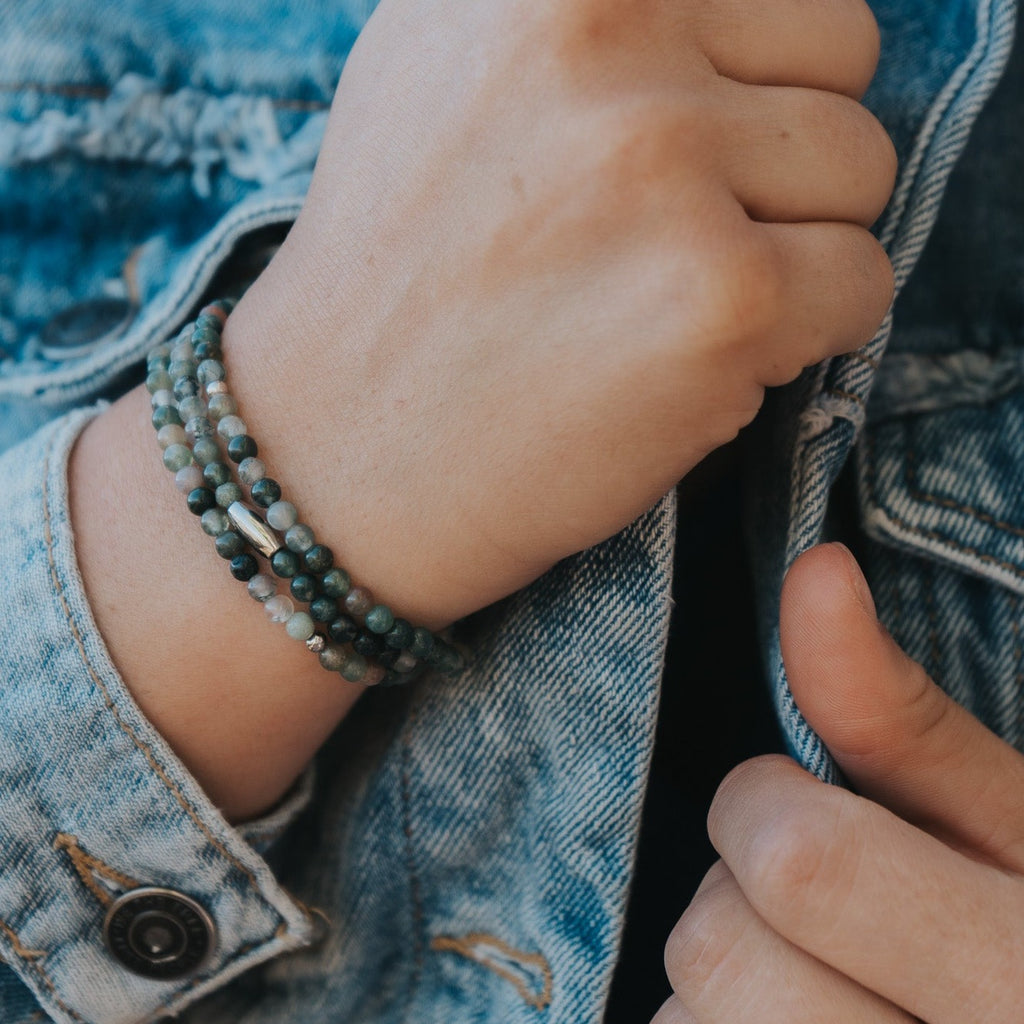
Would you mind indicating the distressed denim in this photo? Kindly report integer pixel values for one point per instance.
(469, 841)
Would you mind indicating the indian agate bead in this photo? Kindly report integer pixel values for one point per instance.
(188, 479)
(176, 457)
(299, 538)
(229, 544)
(299, 626)
(379, 619)
(336, 582)
(262, 587)
(358, 601)
(243, 567)
(251, 470)
(279, 608)
(241, 446)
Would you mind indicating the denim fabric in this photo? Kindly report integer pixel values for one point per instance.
(469, 841)
(939, 64)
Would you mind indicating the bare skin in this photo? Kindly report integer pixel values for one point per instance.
(551, 257)
(899, 904)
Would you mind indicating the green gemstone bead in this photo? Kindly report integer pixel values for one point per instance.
(303, 588)
(266, 492)
(207, 350)
(176, 457)
(216, 473)
(158, 380)
(285, 563)
(242, 446)
(214, 522)
(206, 330)
(400, 635)
(446, 658)
(354, 668)
(368, 645)
(244, 567)
(221, 406)
(228, 494)
(191, 407)
(230, 544)
(179, 368)
(343, 630)
(205, 451)
(210, 370)
(422, 642)
(336, 583)
(319, 558)
(332, 659)
(299, 626)
(165, 415)
(324, 609)
(379, 619)
(299, 538)
(200, 500)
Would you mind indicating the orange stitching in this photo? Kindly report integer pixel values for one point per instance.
(467, 947)
(985, 517)
(860, 357)
(89, 866)
(30, 956)
(849, 395)
(935, 535)
(22, 951)
(108, 699)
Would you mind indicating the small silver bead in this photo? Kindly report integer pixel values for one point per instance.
(216, 387)
(317, 642)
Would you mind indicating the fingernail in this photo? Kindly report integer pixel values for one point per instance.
(858, 584)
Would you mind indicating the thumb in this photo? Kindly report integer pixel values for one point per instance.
(897, 736)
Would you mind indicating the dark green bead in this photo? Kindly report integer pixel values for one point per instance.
(368, 645)
(336, 583)
(388, 657)
(323, 609)
(422, 642)
(319, 558)
(264, 492)
(285, 563)
(244, 567)
(165, 415)
(343, 630)
(379, 619)
(207, 328)
(445, 658)
(230, 544)
(400, 635)
(216, 473)
(304, 589)
(208, 350)
(241, 446)
(200, 499)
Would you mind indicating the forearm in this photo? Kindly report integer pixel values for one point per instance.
(241, 703)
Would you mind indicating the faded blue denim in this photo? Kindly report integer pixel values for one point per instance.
(470, 842)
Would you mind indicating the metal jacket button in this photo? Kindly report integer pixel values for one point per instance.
(159, 933)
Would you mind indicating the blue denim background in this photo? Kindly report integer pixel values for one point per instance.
(469, 841)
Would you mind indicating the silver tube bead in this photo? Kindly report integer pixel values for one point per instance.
(254, 529)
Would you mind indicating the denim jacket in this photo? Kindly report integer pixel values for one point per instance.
(462, 850)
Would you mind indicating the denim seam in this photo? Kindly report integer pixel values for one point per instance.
(920, 531)
(410, 860)
(30, 956)
(108, 699)
(848, 395)
(956, 506)
(465, 947)
(88, 866)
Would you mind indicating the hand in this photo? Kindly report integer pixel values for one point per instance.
(551, 257)
(905, 902)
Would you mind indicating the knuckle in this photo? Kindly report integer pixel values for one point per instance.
(800, 865)
(701, 946)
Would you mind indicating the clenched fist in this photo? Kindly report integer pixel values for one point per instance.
(552, 255)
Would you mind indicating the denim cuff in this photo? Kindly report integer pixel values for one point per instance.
(94, 802)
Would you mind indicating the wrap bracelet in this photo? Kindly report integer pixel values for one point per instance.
(195, 416)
